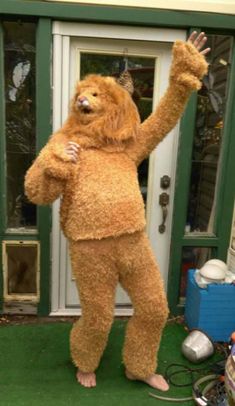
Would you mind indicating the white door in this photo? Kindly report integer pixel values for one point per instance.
(82, 49)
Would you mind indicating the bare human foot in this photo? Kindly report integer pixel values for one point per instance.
(87, 379)
(153, 380)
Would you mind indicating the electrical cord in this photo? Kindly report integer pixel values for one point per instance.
(199, 396)
(218, 398)
(184, 370)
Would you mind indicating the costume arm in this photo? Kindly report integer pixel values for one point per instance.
(46, 178)
(188, 67)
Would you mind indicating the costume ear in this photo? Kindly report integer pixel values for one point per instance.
(125, 80)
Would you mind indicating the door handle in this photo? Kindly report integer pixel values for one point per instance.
(163, 201)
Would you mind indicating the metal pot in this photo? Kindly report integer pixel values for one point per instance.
(197, 346)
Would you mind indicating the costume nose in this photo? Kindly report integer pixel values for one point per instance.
(81, 99)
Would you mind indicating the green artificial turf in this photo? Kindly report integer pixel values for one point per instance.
(35, 368)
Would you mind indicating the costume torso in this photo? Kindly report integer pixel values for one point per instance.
(103, 197)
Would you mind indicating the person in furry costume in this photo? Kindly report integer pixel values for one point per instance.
(91, 162)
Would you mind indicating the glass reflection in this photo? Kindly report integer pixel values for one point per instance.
(22, 269)
(19, 62)
(208, 137)
(192, 258)
(142, 72)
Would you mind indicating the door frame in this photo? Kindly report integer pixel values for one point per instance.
(63, 31)
(224, 204)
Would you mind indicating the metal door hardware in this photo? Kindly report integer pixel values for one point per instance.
(163, 201)
(165, 181)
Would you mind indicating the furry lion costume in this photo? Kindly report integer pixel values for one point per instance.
(102, 211)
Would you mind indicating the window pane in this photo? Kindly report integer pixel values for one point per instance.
(19, 62)
(208, 137)
(142, 72)
(193, 258)
(22, 268)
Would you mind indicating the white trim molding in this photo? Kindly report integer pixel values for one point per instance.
(117, 32)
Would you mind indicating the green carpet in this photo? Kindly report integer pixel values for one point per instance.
(35, 368)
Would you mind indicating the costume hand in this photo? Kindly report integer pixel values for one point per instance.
(189, 64)
(199, 41)
(72, 149)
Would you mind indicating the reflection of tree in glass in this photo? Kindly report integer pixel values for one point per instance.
(19, 47)
(211, 106)
(141, 70)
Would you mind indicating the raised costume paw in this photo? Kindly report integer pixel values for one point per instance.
(189, 64)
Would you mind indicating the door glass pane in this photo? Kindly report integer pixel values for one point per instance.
(208, 137)
(22, 268)
(142, 72)
(192, 258)
(19, 63)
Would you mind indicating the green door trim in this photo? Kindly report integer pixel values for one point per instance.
(117, 14)
(2, 155)
(43, 128)
(225, 200)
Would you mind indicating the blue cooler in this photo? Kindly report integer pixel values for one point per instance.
(211, 309)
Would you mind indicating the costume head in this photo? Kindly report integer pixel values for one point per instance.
(103, 108)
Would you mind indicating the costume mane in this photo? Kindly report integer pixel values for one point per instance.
(112, 117)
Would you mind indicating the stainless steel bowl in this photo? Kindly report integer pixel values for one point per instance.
(197, 346)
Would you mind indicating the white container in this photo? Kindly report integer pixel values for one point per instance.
(212, 272)
(219, 263)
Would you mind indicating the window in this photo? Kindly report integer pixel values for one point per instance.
(208, 137)
(20, 133)
(21, 270)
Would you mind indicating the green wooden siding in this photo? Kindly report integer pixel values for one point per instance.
(117, 14)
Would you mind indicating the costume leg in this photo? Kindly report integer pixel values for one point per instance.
(96, 279)
(140, 277)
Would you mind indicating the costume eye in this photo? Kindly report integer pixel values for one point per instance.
(95, 94)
